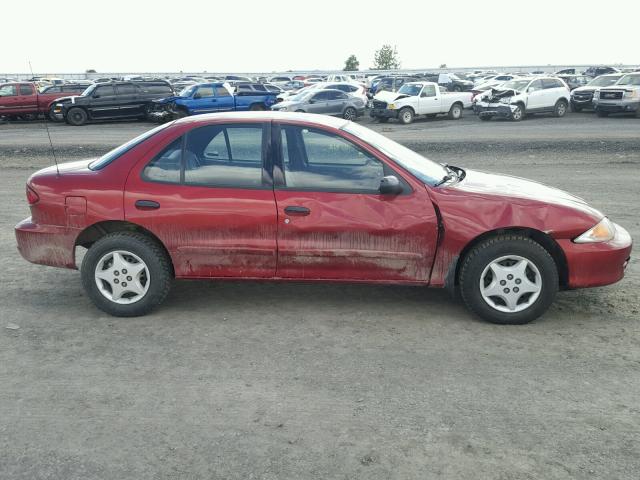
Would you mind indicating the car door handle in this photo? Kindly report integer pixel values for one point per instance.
(294, 210)
(147, 205)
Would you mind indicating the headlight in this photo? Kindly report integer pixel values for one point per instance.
(630, 94)
(282, 109)
(506, 100)
(391, 106)
(603, 231)
(596, 94)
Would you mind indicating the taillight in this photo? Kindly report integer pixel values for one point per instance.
(32, 196)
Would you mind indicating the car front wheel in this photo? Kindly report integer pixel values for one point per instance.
(508, 279)
(76, 117)
(126, 274)
(406, 115)
(517, 113)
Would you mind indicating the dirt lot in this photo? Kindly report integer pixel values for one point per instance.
(247, 380)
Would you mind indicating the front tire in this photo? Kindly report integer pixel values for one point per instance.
(517, 113)
(508, 279)
(350, 113)
(126, 274)
(76, 117)
(406, 116)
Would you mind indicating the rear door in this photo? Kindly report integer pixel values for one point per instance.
(553, 90)
(336, 102)
(27, 99)
(206, 195)
(9, 100)
(332, 221)
(131, 104)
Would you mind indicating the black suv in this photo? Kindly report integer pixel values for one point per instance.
(114, 100)
(597, 71)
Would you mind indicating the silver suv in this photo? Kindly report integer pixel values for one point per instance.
(623, 97)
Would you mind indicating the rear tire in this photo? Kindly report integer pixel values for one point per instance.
(455, 112)
(560, 110)
(508, 279)
(76, 117)
(105, 275)
(405, 116)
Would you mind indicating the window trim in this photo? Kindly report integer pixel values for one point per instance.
(266, 177)
(279, 177)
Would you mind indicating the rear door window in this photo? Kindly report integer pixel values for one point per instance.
(8, 91)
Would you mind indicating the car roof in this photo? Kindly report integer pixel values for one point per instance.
(265, 116)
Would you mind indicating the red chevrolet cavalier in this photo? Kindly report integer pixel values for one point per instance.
(287, 196)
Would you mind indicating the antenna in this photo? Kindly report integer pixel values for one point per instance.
(46, 126)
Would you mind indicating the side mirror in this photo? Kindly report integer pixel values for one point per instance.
(96, 96)
(197, 96)
(311, 100)
(390, 185)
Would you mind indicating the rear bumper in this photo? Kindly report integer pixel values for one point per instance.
(597, 264)
(383, 113)
(46, 244)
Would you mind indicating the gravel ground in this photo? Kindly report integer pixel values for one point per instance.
(259, 380)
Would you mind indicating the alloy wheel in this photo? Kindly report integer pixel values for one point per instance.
(510, 283)
(122, 277)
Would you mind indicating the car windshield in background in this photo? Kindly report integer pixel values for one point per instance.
(89, 90)
(454, 76)
(300, 97)
(516, 85)
(187, 91)
(603, 81)
(630, 80)
(109, 157)
(411, 90)
(426, 170)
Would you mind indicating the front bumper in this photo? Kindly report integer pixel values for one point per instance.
(493, 110)
(51, 245)
(597, 264)
(383, 113)
(617, 106)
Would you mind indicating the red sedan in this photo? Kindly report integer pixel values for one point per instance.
(287, 196)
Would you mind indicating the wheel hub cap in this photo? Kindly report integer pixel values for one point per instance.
(122, 277)
(510, 284)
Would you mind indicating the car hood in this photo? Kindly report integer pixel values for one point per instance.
(520, 188)
(389, 96)
(585, 88)
(286, 103)
(70, 99)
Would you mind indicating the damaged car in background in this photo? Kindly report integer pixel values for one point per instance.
(524, 96)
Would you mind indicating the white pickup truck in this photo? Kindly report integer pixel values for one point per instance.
(418, 98)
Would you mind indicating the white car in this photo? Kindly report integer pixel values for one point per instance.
(522, 96)
(494, 81)
(418, 98)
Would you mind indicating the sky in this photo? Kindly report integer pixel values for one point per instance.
(70, 36)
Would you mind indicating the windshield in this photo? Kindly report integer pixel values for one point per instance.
(187, 91)
(603, 81)
(410, 89)
(424, 169)
(114, 154)
(89, 90)
(454, 76)
(630, 80)
(516, 85)
(300, 96)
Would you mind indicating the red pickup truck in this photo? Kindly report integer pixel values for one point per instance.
(22, 99)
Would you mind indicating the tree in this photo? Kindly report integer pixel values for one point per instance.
(352, 64)
(443, 65)
(90, 70)
(386, 58)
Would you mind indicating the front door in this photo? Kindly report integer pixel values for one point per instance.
(318, 103)
(332, 221)
(104, 102)
(535, 96)
(129, 99)
(207, 197)
(429, 100)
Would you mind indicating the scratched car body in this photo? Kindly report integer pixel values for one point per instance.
(301, 197)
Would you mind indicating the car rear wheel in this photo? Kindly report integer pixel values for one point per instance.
(517, 113)
(126, 274)
(455, 112)
(560, 110)
(406, 115)
(76, 117)
(350, 113)
(508, 279)
(51, 114)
